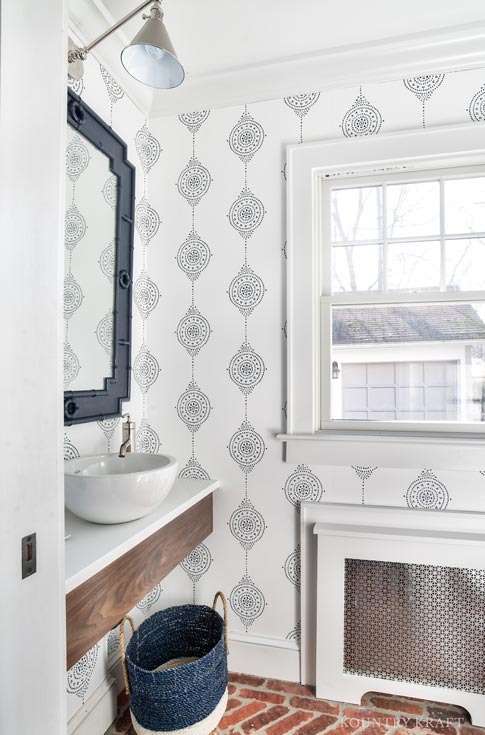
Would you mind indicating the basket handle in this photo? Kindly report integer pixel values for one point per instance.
(222, 597)
(122, 649)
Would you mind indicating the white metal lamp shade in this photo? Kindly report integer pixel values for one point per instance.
(150, 58)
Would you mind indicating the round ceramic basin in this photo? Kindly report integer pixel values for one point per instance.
(106, 488)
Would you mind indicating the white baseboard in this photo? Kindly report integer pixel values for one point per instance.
(97, 713)
(263, 656)
(116, 671)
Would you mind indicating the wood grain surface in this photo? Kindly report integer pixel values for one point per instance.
(98, 604)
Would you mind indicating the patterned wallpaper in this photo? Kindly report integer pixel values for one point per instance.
(219, 259)
(210, 337)
(106, 97)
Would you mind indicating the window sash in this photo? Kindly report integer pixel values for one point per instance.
(439, 176)
(329, 299)
(327, 423)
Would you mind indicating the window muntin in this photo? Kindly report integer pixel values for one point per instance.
(408, 236)
(414, 248)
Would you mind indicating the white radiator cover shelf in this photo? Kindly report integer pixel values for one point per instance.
(434, 543)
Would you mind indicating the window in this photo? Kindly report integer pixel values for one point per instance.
(406, 258)
(386, 300)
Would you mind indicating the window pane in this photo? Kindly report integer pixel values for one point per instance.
(356, 214)
(413, 210)
(465, 205)
(409, 362)
(414, 266)
(465, 264)
(355, 268)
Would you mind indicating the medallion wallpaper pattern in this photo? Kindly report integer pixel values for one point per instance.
(210, 337)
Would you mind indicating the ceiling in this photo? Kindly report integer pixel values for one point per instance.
(251, 49)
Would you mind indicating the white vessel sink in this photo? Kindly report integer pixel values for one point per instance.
(106, 488)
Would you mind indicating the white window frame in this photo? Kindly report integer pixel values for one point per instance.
(309, 167)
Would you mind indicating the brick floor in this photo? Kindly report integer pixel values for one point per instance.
(269, 707)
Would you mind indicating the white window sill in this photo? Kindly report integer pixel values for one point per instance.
(397, 450)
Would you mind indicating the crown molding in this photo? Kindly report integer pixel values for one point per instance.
(437, 51)
(441, 51)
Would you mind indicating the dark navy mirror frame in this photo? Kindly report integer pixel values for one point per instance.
(81, 406)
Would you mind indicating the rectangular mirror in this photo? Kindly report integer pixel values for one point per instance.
(100, 198)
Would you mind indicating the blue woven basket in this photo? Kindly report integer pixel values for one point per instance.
(175, 669)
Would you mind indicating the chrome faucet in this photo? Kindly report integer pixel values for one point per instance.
(128, 435)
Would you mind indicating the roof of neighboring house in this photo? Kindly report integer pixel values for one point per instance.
(417, 323)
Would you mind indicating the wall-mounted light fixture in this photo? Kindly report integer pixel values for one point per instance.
(335, 370)
(150, 57)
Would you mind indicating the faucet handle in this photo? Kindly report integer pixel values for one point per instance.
(129, 424)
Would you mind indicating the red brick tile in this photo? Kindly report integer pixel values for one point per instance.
(315, 705)
(288, 723)
(416, 700)
(450, 713)
(263, 719)
(123, 699)
(241, 714)
(319, 724)
(397, 705)
(441, 727)
(374, 730)
(232, 703)
(289, 687)
(369, 695)
(387, 695)
(370, 717)
(123, 723)
(247, 679)
(231, 688)
(345, 728)
(470, 730)
(411, 723)
(446, 705)
(262, 696)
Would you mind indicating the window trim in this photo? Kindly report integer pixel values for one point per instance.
(308, 166)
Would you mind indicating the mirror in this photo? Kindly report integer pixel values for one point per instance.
(89, 260)
(100, 185)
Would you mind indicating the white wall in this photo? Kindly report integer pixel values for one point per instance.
(32, 116)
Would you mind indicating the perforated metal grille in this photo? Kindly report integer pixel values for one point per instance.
(415, 622)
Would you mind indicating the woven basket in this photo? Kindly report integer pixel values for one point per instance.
(175, 669)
